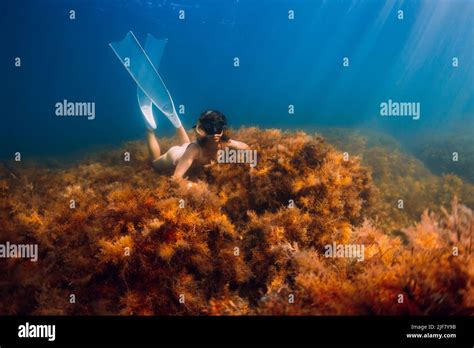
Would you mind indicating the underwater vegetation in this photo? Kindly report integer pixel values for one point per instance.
(398, 175)
(124, 239)
(438, 153)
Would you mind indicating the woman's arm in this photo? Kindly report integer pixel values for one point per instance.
(191, 153)
(238, 145)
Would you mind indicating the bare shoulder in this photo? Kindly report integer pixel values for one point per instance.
(235, 144)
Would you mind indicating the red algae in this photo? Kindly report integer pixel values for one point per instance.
(125, 239)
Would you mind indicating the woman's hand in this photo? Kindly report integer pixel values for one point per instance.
(238, 145)
(183, 182)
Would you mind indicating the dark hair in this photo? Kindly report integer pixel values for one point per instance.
(213, 122)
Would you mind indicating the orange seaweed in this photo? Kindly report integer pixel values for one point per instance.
(241, 241)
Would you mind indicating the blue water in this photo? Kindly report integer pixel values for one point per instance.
(282, 62)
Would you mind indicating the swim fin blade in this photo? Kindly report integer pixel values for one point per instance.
(154, 48)
(152, 89)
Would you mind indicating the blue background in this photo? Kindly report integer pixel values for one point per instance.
(282, 62)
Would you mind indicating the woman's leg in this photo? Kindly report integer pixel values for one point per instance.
(182, 135)
(153, 146)
(155, 151)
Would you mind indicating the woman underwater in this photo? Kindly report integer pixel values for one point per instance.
(211, 136)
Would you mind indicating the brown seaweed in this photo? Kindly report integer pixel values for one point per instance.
(241, 240)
